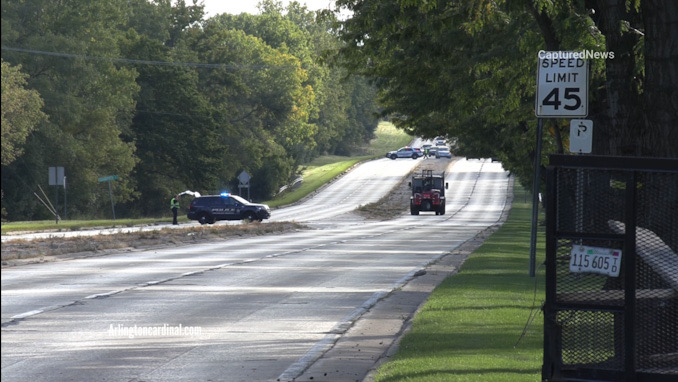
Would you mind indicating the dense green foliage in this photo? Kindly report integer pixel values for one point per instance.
(467, 69)
(169, 101)
(20, 112)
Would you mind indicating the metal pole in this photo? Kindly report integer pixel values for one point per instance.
(56, 204)
(110, 191)
(579, 197)
(65, 198)
(535, 198)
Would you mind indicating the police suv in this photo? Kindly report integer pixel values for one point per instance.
(210, 208)
(405, 152)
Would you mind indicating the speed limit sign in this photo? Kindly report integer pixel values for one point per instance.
(562, 85)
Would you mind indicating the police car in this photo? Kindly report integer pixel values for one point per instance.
(211, 208)
(405, 152)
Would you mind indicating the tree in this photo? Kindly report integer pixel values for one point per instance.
(151, 92)
(89, 101)
(260, 102)
(466, 70)
(176, 136)
(304, 34)
(20, 112)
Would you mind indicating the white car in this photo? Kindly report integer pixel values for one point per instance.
(443, 152)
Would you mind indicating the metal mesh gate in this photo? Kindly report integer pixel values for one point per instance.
(611, 310)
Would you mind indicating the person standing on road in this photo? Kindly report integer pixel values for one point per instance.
(174, 205)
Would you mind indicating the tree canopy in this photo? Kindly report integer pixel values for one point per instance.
(20, 112)
(168, 100)
(466, 69)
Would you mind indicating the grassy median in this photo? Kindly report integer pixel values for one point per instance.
(471, 327)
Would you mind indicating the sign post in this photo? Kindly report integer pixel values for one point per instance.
(244, 179)
(535, 198)
(581, 142)
(110, 190)
(562, 92)
(57, 178)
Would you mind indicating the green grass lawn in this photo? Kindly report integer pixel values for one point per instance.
(76, 225)
(469, 327)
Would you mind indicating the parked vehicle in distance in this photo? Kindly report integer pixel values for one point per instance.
(443, 152)
(210, 208)
(405, 152)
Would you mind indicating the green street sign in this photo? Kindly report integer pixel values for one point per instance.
(107, 178)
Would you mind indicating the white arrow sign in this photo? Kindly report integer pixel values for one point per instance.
(581, 136)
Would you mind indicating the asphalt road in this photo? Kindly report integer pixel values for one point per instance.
(297, 306)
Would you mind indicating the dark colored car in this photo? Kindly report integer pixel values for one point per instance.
(210, 208)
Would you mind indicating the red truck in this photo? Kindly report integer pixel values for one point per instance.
(428, 193)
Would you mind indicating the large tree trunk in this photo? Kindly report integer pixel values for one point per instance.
(660, 18)
(619, 136)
